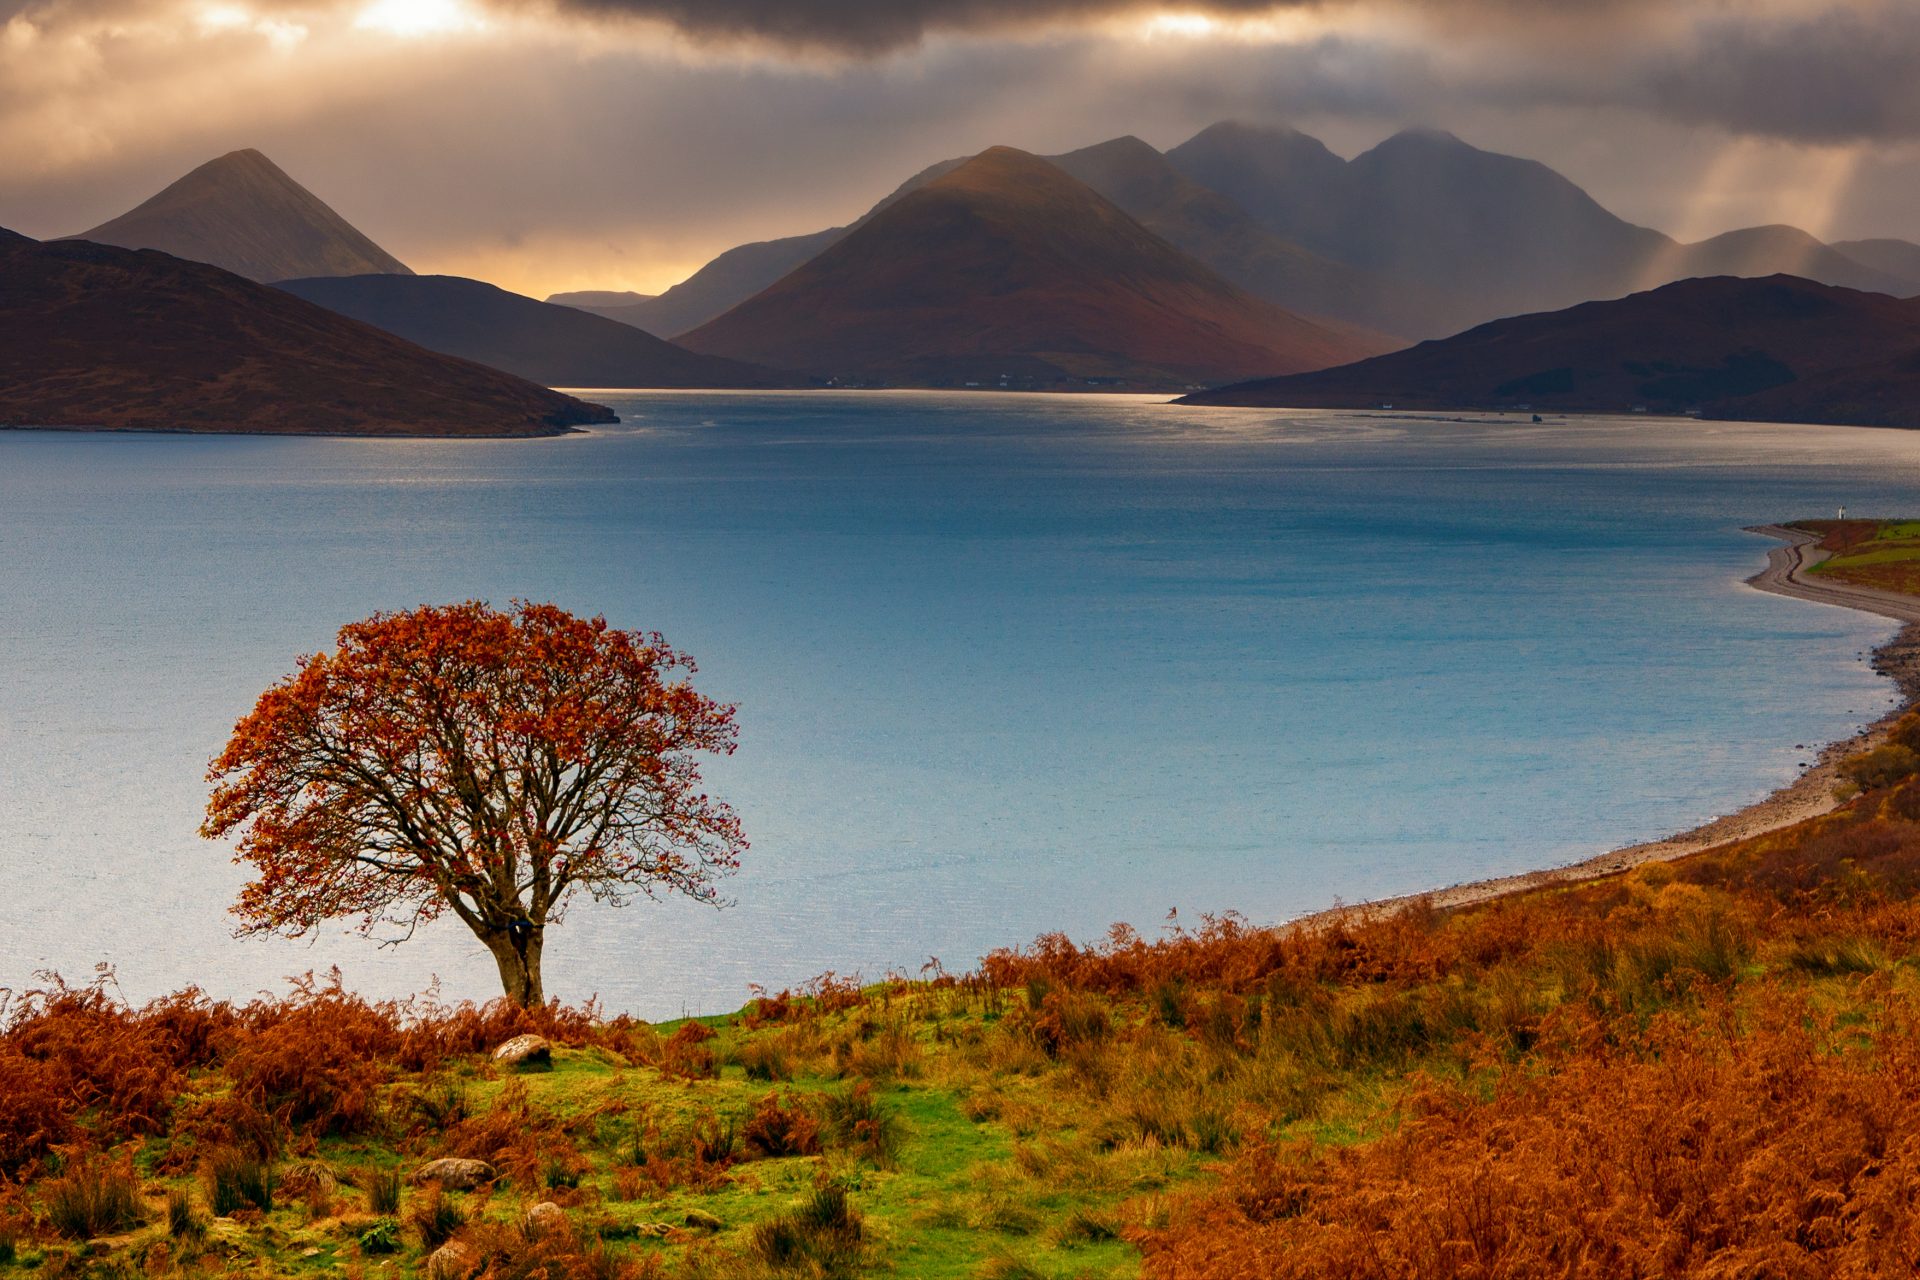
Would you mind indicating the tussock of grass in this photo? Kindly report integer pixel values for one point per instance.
(237, 1179)
(95, 1198)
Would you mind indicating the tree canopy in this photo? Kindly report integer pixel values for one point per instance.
(489, 763)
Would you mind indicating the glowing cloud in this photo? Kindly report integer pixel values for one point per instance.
(415, 18)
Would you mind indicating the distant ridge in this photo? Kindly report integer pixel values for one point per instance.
(243, 213)
(1007, 270)
(1783, 250)
(1895, 257)
(589, 299)
(1729, 347)
(99, 336)
(553, 345)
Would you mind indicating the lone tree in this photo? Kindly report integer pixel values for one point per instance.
(460, 758)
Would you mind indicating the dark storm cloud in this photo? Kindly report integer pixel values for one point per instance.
(880, 26)
(1833, 71)
(1838, 75)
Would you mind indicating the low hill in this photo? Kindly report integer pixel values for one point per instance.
(1007, 270)
(1895, 257)
(1782, 250)
(242, 212)
(1881, 393)
(589, 299)
(99, 336)
(552, 345)
(1714, 345)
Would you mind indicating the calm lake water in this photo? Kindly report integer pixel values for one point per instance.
(1004, 665)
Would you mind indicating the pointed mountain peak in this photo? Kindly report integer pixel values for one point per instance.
(1422, 140)
(1429, 134)
(1243, 130)
(1243, 138)
(1004, 159)
(1125, 147)
(241, 211)
(1003, 169)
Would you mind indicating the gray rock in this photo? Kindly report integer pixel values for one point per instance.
(455, 1173)
(452, 1261)
(525, 1053)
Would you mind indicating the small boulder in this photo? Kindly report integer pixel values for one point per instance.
(701, 1220)
(452, 1261)
(525, 1053)
(455, 1174)
(546, 1216)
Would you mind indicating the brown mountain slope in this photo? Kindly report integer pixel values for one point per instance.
(97, 336)
(1726, 346)
(1009, 269)
(242, 212)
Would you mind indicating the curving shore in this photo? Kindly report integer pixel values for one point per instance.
(1807, 796)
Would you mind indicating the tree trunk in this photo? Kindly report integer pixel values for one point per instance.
(517, 952)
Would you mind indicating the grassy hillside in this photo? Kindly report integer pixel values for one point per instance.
(1701, 1068)
(1870, 553)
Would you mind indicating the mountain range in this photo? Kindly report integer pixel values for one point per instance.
(1778, 348)
(1008, 271)
(243, 212)
(1421, 236)
(1243, 252)
(99, 336)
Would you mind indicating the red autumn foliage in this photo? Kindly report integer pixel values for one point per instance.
(781, 1127)
(81, 1068)
(485, 763)
(1698, 1148)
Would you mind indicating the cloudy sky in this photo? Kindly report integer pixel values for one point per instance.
(557, 144)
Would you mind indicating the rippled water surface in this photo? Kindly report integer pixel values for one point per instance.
(1004, 665)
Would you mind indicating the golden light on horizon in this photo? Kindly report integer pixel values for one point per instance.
(412, 19)
(1279, 27)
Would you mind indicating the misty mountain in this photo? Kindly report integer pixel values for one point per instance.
(243, 213)
(1126, 171)
(552, 345)
(1726, 346)
(1008, 268)
(1474, 235)
(100, 336)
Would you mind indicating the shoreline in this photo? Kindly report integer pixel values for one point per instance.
(1808, 796)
